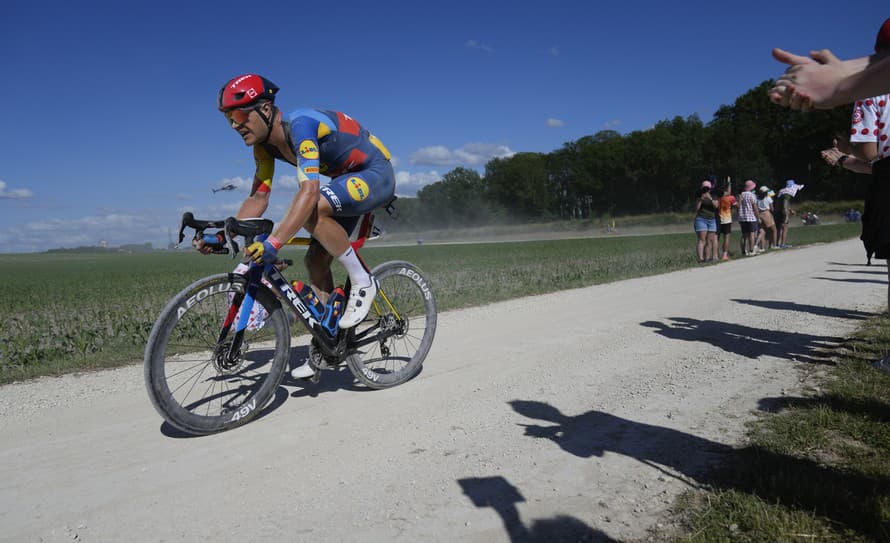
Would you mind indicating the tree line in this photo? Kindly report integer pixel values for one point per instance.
(646, 171)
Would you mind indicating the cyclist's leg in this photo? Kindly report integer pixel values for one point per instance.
(353, 195)
(318, 264)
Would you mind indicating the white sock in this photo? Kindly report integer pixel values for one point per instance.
(357, 273)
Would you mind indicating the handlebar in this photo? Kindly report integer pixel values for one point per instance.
(230, 227)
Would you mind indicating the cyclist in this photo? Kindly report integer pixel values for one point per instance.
(316, 142)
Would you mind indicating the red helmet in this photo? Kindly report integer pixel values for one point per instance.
(245, 90)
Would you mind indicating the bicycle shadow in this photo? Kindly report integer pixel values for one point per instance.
(496, 492)
(331, 380)
(277, 401)
(775, 478)
(820, 310)
(338, 379)
(748, 341)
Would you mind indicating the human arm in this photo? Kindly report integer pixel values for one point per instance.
(305, 131)
(822, 81)
(835, 157)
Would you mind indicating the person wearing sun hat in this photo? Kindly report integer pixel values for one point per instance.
(765, 214)
(782, 212)
(705, 222)
(748, 218)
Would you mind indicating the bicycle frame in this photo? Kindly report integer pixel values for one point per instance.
(346, 341)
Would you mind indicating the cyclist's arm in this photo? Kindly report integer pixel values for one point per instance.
(305, 131)
(258, 200)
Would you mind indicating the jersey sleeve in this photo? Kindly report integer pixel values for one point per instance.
(265, 170)
(305, 131)
(864, 125)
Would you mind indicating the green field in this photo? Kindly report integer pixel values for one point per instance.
(69, 312)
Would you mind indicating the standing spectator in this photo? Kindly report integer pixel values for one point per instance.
(724, 227)
(705, 221)
(748, 218)
(783, 211)
(767, 223)
(824, 82)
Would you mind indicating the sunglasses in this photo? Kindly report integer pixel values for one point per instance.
(238, 116)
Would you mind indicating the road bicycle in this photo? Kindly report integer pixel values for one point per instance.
(220, 349)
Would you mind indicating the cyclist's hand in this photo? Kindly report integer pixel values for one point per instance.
(205, 244)
(264, 252)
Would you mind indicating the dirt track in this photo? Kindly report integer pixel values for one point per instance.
(577, 415)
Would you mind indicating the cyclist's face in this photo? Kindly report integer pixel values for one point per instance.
(249, 125)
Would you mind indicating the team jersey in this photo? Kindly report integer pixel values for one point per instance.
(325, 142)
(870, 118)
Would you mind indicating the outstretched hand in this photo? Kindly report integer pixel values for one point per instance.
(809, 82)
(832, 155)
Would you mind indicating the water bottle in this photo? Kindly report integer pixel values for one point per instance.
(312, 302)
(333, 311)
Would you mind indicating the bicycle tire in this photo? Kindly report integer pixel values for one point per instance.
(183, 356)
(405, 300)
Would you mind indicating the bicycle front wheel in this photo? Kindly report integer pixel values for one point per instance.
(199, 377)
(396, 336)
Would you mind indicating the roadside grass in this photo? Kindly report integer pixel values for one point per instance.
(816, 468)
(76, 311)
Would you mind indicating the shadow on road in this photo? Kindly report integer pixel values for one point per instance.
(852, 280)
(820, 310)
(497, 493)
(748, 341)
(849, 497)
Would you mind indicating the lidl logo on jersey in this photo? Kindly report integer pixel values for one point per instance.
(357, 188)
(308, 150)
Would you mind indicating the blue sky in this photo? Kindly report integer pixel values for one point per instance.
(111, 130)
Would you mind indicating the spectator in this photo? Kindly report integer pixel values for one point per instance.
(782, 211)
(705, 221)
(748, 218)
(824, 82)
(724, 227)
(767, 223)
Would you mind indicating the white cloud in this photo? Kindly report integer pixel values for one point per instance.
(611, 125)
(554, 123)
(471, 154)
(115, 228)
(473, 44)
(408, 183)
(12, 194)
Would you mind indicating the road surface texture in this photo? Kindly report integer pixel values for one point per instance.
(575, 416)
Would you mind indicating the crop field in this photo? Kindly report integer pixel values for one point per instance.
(68, 312)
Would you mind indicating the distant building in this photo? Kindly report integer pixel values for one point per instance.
(103, 243)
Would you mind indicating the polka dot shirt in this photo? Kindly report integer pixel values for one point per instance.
(870, 123)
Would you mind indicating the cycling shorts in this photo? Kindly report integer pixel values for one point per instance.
(353, 194)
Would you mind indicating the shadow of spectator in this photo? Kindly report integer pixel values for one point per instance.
(747, 341)
(497, 493)
(846, 496)
(820, 310)
(863, 272)
(852, 280)
(855, 264)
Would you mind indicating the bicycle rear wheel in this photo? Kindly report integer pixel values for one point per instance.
(195, 380)
(402, 323)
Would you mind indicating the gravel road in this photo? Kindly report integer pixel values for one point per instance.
(572, 416)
